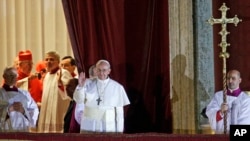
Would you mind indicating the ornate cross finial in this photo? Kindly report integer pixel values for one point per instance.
(224, 21)
(223, 44)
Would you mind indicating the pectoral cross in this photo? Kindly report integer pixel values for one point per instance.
(98, 100)
(223, 44)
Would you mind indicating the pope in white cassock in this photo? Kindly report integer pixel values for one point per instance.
(18, 110)
(103, 100)
(237, 106)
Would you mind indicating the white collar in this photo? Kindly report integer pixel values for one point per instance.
(103, 81)
(233, 89)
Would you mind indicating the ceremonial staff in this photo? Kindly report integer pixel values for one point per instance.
(223, 44)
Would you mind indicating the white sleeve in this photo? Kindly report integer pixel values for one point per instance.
(79, 95)
(244, 110)
(79, 112)
(31, 111)
(65, 77)
(212, 108)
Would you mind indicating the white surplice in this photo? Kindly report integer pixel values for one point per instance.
(54, 103)
(238, 113)
(108, 115)
(17, 121)
(25, 83)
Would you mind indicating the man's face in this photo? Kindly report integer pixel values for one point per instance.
(51, 62)
(233, 80)
(26, 66)
(102, 71)
(65, 64)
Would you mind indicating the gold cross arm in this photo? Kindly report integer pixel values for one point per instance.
(234, 20)
(224, 19)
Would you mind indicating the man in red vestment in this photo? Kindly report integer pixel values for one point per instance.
(27, 80)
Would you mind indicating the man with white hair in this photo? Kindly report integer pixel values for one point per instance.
(103, 100)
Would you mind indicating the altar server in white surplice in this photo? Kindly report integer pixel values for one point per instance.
(18, 110)
(55, 100)
(103, 99)
(237, 106)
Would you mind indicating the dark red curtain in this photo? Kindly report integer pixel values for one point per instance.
(133, 36)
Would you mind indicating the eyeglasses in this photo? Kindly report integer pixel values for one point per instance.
(102, 70)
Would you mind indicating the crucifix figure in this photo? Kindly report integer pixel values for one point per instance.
(223, 44)
(98, 100)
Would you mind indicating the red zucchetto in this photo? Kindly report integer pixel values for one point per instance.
(25, 55)
(40, 66)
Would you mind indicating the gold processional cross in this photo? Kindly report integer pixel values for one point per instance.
(223, 44)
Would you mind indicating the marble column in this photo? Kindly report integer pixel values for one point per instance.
(191, 56)
(204, 59)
